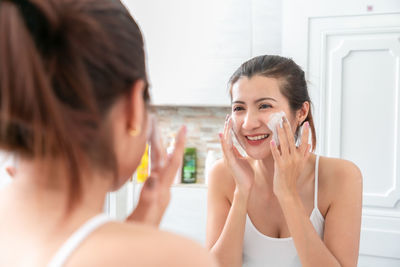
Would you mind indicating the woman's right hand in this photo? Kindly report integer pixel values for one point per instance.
(239, 166)
(155, 195)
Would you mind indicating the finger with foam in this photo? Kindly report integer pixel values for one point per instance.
(274, 120)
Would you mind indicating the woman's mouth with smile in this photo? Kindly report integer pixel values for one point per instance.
(256, 139)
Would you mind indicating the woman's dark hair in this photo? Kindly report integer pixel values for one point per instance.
(292, 82)
(63, 63)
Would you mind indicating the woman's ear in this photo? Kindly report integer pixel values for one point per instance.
(136, 109)
(302, 113)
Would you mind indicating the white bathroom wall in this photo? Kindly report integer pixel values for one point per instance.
(193, 47)
(186, 213)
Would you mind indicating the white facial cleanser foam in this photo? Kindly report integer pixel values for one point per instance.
(237, 145)
(274, 120)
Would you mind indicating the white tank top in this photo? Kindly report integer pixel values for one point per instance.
(72, 243)
(260, 250)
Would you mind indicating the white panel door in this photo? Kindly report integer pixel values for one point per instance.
(353, 68)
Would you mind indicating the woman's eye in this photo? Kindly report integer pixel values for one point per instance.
(238, 108)
(263, 106)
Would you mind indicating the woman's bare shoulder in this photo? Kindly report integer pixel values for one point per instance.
(220, 178)
(134, 244)
(339, 173)
(339, 167)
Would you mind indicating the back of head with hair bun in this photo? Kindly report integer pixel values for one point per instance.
(63, 63)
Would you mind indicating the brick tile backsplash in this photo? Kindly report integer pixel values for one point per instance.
(203, 125)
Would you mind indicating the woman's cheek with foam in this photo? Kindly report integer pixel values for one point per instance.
(275, 120)
(236, 137)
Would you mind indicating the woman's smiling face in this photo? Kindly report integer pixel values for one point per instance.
(253, 101)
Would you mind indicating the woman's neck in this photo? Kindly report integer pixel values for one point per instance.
(44, 187)
(264, 174)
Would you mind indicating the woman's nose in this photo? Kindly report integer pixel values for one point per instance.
(251, 122)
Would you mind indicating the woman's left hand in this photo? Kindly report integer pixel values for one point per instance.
(289, 160)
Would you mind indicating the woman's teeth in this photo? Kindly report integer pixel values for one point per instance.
(258, 137)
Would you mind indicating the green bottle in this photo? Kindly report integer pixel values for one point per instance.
(189, 165)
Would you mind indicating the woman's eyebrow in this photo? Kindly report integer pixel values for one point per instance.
(258, 100)
(238, 102)
(264, 98)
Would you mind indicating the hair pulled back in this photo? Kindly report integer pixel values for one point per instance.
(63, 63)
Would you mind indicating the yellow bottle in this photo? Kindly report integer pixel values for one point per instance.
(142, 171)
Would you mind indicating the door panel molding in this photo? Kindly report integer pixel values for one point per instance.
(344, 93)
(333, 130)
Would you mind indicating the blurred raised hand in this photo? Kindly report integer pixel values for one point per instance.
(155, 195)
